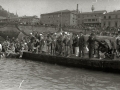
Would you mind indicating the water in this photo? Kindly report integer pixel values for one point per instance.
(18, 74)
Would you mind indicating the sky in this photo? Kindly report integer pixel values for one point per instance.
(37, 7)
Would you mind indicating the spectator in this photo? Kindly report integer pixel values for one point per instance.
(76, 45)
(81, 44)
(118, 44)
(91, 45)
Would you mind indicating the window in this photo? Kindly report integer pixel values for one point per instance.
(89, 20)
(93, 19)
(104, 17)
(109, 17)
(115, 24)
(108, 23)
(104, 24)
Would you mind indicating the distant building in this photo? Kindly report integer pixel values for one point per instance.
(111, 19)
(2, 19)
(64, 18)
(31, 20)
(91, 18)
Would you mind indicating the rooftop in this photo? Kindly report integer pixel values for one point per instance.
(114, 12)
(29, 17)
(61, 11)
(101, 11)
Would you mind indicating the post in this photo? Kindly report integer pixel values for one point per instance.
(61, 20)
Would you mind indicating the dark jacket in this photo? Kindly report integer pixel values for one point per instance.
(76, 42)
(91, 41)
(82, 41)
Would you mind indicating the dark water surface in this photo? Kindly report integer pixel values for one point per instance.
(18, 74)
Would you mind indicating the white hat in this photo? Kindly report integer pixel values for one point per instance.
(65, 32)
(68, 33)
(30, 33)
(25, 43)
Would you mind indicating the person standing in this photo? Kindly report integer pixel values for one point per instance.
(118, 44)
(0, 47)
(76, 45)
(49, 40)
(91, 45)
(53, 51)
(44, 45)
(81, 45)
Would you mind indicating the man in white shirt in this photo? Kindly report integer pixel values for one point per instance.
(0, 48)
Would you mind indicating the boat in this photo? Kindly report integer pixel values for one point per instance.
(13, 55)
(94, 64)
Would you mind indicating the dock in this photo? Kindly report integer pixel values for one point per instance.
(94, 64)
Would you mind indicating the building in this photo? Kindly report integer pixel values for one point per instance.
(111, 19)
(2, 19)
(10, 18)
(28, 20)
(31, 20)
(63, 18)
(91, 18)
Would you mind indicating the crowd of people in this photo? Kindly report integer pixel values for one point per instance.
(62, 43)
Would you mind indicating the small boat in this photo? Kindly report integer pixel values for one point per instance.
(2, 55)
(14, 55)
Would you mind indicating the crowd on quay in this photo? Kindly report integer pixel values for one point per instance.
(61, 43)
(13, 46)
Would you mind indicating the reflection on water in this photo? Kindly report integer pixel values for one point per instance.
(18, 74)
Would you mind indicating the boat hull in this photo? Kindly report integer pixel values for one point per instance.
(95, 64)
(13, 56)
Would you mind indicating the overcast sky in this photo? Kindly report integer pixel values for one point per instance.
(37, 7)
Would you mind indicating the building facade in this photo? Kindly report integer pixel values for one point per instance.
(2, 19)
(111, 19)
(29, 20)
(64, 18)
(91, 18)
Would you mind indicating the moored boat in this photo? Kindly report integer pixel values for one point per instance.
(14, 55)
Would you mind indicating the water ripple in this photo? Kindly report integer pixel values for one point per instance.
(42, 76)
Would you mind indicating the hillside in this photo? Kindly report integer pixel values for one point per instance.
(12, 31)
(9, 31)
(5, 13)
(29, 29)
